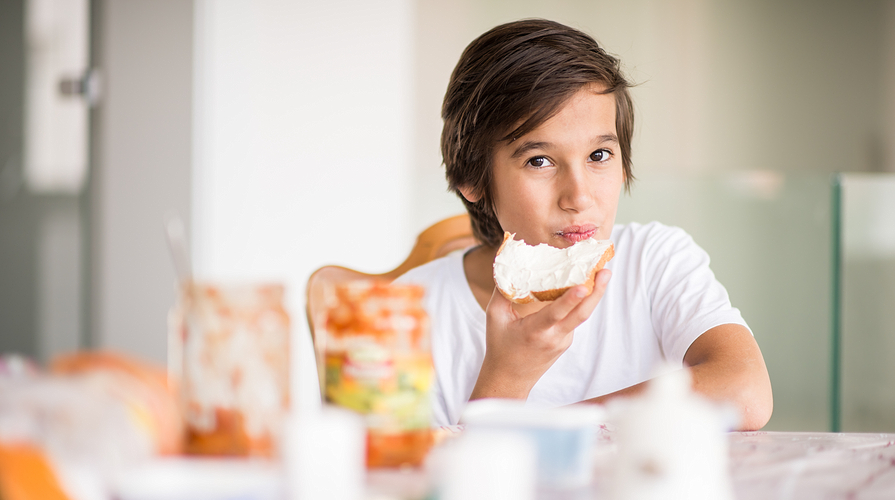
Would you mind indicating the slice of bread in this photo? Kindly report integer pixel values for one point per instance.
(524, 273)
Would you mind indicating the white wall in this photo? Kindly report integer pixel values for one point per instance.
(303, 140)
(302, 136)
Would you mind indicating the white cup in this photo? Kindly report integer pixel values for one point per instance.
(563, 437)
(485, 465)
(325, 455)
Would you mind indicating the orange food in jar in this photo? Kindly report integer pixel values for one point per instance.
(378, 363)
(230, 353)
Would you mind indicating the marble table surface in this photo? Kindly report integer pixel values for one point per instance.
(808, 465)
(763, 466)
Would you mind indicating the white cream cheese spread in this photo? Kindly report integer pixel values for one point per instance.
(520, 269)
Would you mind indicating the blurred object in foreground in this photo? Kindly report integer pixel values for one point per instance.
(230, 353)
(16, 366)
(144, 389)
(96, 415)
(183, 478)
(379, 364)
(671, 444)
(486, 465)
(324, 455)
(564, 438)
(25, 474)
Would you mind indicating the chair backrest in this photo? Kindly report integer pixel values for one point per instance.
(437, 241)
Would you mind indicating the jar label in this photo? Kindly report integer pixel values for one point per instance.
(392, 390)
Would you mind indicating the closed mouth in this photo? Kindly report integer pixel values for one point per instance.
(575, 234)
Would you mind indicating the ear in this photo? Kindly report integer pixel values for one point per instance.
(470, 194)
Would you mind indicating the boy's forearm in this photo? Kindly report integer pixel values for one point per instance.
(726, 366)
(628, 391)
(493, 384)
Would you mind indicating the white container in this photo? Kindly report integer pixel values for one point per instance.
(671, 444)
(325, 455)
(201, 479)
(564, 438)
(485, 465)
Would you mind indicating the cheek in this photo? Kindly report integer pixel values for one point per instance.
(611, 192)
(517, 204)
(609, 196)
(506, 203)
(521, 198)
(505, 191)
(612, 189)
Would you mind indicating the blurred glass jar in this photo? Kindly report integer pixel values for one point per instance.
(379, 363)
(229, 351)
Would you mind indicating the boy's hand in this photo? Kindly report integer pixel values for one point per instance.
(518, 350)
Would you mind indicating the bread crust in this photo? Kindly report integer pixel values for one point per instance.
(555, 293)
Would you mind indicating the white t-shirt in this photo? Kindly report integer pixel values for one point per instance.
(662, 296)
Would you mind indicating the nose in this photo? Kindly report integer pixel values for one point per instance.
(575, 193)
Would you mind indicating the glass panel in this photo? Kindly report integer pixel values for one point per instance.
(769, 238)
(868, 302)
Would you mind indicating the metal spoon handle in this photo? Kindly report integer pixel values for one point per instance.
(176, 236)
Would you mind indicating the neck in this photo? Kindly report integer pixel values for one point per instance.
(478, 264)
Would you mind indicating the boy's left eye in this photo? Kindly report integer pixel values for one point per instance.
(601, 155)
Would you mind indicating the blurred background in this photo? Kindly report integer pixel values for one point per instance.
(293, 134)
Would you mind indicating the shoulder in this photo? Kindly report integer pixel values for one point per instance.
(652, 231)
(447, 291)
(439, 271)
(651, 239)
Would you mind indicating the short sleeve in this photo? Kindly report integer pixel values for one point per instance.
(686, 299)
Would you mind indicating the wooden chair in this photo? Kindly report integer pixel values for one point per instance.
(437, 241)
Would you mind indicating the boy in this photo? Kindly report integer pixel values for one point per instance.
(537, 141)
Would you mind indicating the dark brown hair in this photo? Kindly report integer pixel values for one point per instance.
(520, 72)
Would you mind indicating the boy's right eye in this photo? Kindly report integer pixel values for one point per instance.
(539, 162)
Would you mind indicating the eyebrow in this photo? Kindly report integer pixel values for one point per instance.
(607, 138)
(527, 146)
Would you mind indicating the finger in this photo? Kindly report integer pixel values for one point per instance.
(557, 310)
(586, 307)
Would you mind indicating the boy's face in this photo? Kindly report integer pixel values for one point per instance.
(561, 182)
